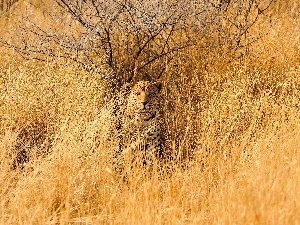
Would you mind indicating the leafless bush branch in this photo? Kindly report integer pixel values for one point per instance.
(139, 37)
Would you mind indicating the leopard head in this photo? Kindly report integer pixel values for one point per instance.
(143, 101)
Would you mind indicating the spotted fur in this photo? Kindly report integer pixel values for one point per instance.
(139, 126)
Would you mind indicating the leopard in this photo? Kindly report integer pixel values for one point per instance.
(139, 125)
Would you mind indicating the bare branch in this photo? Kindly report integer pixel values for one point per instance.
(135, 36)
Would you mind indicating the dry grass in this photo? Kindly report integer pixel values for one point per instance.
(235, 128)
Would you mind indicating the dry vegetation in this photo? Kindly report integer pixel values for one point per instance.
(232, 123)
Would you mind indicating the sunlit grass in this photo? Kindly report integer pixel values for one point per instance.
(233, 130)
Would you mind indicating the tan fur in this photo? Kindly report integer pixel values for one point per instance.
(140, 132)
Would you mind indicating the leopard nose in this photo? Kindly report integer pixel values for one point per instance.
(144, 104)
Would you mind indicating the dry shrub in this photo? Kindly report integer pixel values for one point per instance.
(33, 141)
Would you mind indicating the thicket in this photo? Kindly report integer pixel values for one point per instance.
(141, 39)
(201, 50)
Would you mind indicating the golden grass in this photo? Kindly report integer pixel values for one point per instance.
(235, 128)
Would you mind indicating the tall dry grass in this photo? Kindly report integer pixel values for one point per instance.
(234, 128)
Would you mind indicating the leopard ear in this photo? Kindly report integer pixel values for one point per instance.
(127, 86)
(158, 84)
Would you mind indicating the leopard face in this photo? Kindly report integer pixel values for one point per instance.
(143, 101)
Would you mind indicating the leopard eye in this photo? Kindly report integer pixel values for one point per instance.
(151, 91)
